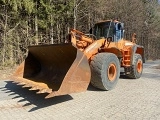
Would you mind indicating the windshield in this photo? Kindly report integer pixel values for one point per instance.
(102, 29)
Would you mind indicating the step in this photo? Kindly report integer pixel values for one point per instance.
(126, 55)
(126, 60)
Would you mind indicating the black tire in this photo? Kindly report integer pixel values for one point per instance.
(137, 67)
(102, 66)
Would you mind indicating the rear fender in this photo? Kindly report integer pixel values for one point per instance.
(137, 49)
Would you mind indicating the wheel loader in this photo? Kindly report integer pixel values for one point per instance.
(96, 58)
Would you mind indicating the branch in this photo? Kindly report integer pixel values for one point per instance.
(13, 28)
(79, 3)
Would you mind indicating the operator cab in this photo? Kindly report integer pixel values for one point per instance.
(109, 29)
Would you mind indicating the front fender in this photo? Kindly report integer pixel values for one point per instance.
(93, 48)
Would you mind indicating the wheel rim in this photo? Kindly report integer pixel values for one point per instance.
(139, 66)
(112, 72)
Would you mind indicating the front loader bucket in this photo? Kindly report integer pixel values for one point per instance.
(55, 69)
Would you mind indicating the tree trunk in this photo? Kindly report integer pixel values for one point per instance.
(58, 32)
(75, 14)
(4, 37)
(51, 29)
(36, 26)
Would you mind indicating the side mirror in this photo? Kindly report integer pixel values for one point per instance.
(109, 39)
(122, 26)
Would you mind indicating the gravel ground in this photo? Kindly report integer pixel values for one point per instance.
(130, 100)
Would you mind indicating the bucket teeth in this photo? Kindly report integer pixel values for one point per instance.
(21, 83)
(44, 91)
(15, 82)
(49, 90)
(32, 85)
(50, 95)
(34, 88)
(25, 86)
(41, 91)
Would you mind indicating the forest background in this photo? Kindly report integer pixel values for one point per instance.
(32, 22)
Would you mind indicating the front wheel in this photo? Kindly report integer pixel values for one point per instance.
(105, 71)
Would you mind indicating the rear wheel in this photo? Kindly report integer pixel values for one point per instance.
(137, 67)
(105, 71)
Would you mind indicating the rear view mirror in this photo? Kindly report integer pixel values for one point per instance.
(110, 39)
(120, 26)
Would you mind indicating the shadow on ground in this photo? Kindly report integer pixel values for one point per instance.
(92, 88)
(123, 76)
(38, 100)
